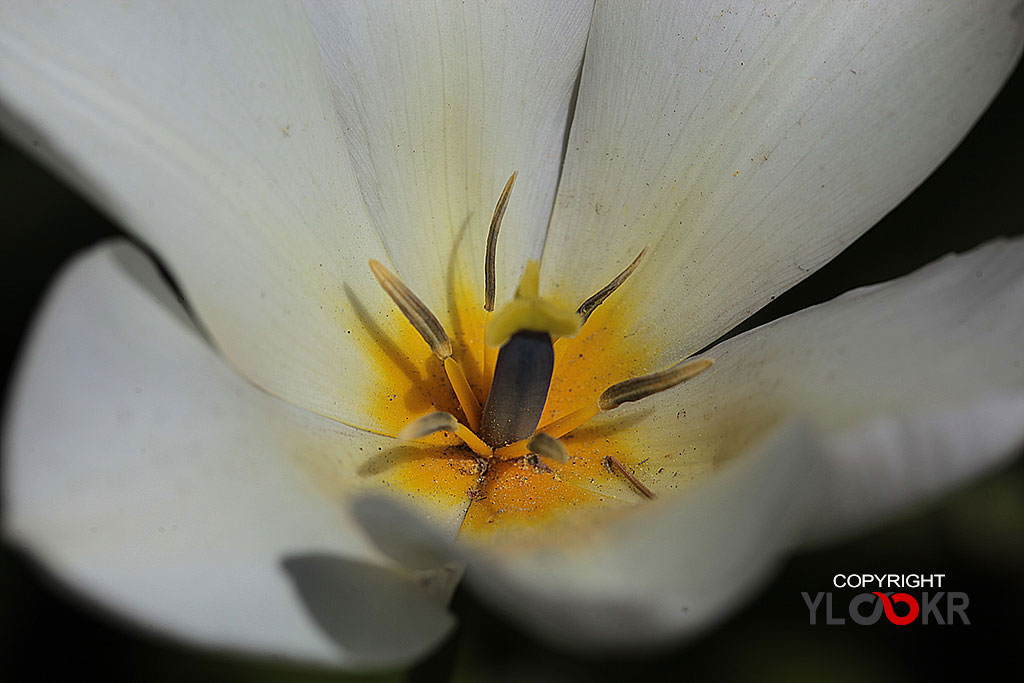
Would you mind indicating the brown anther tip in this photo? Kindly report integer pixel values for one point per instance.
(427, 425)
(533, 460)
(590, 305)
(641, 387)
(490, 255)
(613, 465)
(425, 322)
(549, 447)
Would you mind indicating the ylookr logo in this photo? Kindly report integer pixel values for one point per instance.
(932, 607)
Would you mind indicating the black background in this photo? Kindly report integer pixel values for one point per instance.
(975, 536)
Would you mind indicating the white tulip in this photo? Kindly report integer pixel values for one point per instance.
(230, 474)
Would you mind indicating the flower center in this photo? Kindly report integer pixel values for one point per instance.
(505, 402)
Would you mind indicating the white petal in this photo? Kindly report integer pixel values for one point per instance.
(819, 423)
(750, 145)
(914, 385)
(208, 130)
(148, 475)
(441, 101)
(217, 134)
(894, 462)
(670, 567)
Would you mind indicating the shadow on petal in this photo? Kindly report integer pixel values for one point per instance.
(375, 615)
(427, 386)
(610, 425)
(388, 347)
(387, 460)
(400, 534)
(146, 271)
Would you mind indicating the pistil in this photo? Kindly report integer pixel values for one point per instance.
(520, 355)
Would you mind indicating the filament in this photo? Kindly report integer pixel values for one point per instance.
(444, 422)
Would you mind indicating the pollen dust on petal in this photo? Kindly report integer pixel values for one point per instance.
(444, 475)
(412, 381)
(597, 358)
(516, 496)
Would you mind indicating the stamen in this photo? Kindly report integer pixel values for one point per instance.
(467, 399)
(648, 385)
(425, 322)
(591, 304)
(444, 422)
(430, 328)
(555, 430)
(490, 260)
(613, 464)
(534, 461)
(613, 397)
(431, 423)
(492, 242)
(571, 421)
(549, 447)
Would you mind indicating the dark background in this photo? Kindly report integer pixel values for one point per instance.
(975, 536)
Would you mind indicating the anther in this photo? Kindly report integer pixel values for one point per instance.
(430, 328)
(548, 447)
(591, 304)
(492, 242)
(490, 260)
(613, 464)
(613, 397)
(433, 423)
(648, 385)
(534, 461)
(425, 322)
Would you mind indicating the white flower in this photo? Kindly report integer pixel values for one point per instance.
(267, 153)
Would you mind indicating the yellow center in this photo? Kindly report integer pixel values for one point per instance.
(505, 495)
